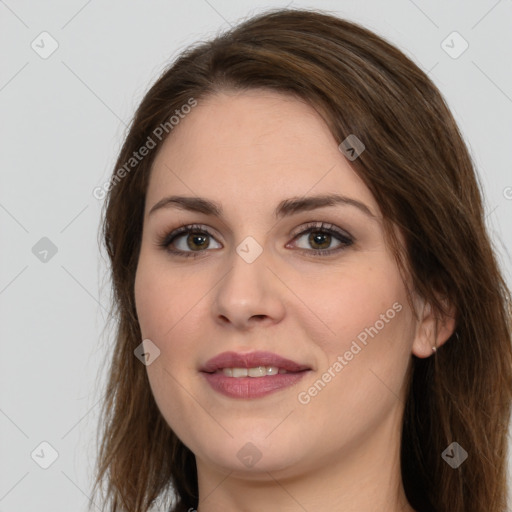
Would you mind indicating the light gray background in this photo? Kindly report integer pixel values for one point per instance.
(62, 122)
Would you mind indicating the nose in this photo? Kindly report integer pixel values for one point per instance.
(249, 294)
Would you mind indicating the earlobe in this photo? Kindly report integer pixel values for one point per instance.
(432, 330)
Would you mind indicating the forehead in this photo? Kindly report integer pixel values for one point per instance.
(252, 147)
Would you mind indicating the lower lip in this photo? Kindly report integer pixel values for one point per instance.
(252, 387)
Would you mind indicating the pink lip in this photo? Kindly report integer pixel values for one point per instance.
(251, 387)
(251, 360)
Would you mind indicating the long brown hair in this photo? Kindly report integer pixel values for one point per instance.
(420, 172)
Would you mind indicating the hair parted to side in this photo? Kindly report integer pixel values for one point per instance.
(419, 170)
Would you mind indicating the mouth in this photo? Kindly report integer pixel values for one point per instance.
(256, 371)
(258, 364)
(251, 375)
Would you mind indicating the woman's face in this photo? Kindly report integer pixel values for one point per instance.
(252, 278)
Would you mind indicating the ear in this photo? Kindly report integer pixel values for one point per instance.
(432, 330)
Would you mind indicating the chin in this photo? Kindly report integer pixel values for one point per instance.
(251, 455)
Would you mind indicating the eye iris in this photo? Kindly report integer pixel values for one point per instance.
(193, 237)
(316, 238)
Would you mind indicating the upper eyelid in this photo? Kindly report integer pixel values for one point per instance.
(321, 226)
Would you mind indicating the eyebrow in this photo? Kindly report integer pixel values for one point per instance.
(284, 208)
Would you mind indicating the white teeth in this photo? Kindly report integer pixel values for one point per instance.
(258, 371)
(240, 372)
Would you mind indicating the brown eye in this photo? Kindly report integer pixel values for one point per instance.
(320, 238)
(197, 241)
(188, 241)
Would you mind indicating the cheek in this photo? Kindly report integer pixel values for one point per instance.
(364, 363)
(171, 310)
(348, 303)
(166, 300)
(167, 315)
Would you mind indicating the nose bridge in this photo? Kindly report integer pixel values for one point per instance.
(248, 290)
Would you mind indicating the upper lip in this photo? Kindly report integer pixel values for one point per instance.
(251, 360)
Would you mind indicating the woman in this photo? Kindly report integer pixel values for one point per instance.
(309, 312)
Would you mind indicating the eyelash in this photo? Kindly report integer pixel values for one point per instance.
(312, 227)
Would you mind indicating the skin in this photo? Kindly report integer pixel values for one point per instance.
(340, 451)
